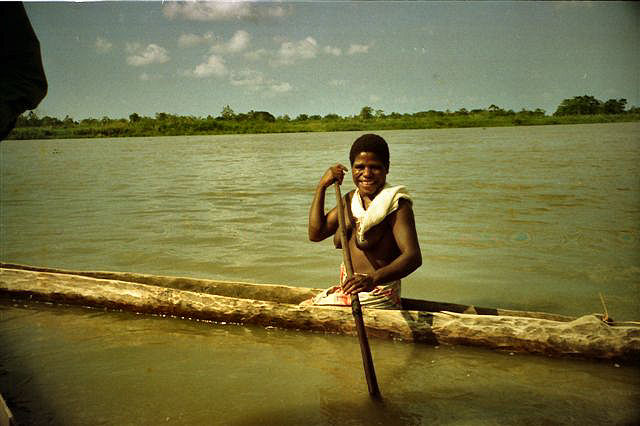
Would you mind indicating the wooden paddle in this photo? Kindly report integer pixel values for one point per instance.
(356, 309)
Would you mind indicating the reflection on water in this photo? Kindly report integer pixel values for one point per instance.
(76, 366)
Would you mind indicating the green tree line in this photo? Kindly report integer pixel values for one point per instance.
(579, 109)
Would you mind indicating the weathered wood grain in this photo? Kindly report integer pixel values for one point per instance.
(278, 306)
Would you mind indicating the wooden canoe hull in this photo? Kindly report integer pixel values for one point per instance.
(278, 306)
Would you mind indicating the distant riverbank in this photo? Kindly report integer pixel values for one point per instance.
(173, 125)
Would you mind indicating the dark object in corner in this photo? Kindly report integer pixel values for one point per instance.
(23, 83)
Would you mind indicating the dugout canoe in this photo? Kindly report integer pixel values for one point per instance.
(278, 306)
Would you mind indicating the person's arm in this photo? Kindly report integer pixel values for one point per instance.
(404, 231)
(323, 225)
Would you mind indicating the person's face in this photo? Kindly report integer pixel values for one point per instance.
(369, 173)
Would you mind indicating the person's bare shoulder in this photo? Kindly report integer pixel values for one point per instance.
(404, 211)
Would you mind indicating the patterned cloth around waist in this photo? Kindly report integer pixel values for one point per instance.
(386, 296)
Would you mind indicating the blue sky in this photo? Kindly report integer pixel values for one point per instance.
(116, 58)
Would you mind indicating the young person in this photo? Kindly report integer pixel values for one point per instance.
(381, 229)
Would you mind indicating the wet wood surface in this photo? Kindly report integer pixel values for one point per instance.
(278, 306)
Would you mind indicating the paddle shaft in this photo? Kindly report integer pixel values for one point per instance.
(356, 309)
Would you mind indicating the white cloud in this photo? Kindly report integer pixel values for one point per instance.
(335, 51)
(222, 10)
(279, 39)
(290, 52)
(256, 55)
(572, 4)
(277, 11)
(256, 81)
(214, 66)
(152, 54)
(190, 40)
(103, 45)
(358, 48)
(206, 11)
(281, 87)
(248, 78)
(239, 42)
(337, 83)
(148, 77)
(374, 99)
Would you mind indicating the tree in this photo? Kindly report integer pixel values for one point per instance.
(613, 106)
(227, 113)
(493, 108)
(262, 116)
(89, 122)
(28, 119)
(331, 117)
(51, 121)
(68, 121)
(579, 105)
(302, 117)
(162, 116)
(33, 119)
(134, 118)
(366, 113)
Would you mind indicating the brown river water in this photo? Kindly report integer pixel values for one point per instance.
(537, 218)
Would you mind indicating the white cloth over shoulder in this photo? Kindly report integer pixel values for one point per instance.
(385, 203)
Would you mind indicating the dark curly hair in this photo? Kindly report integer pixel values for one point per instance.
(370, 143)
